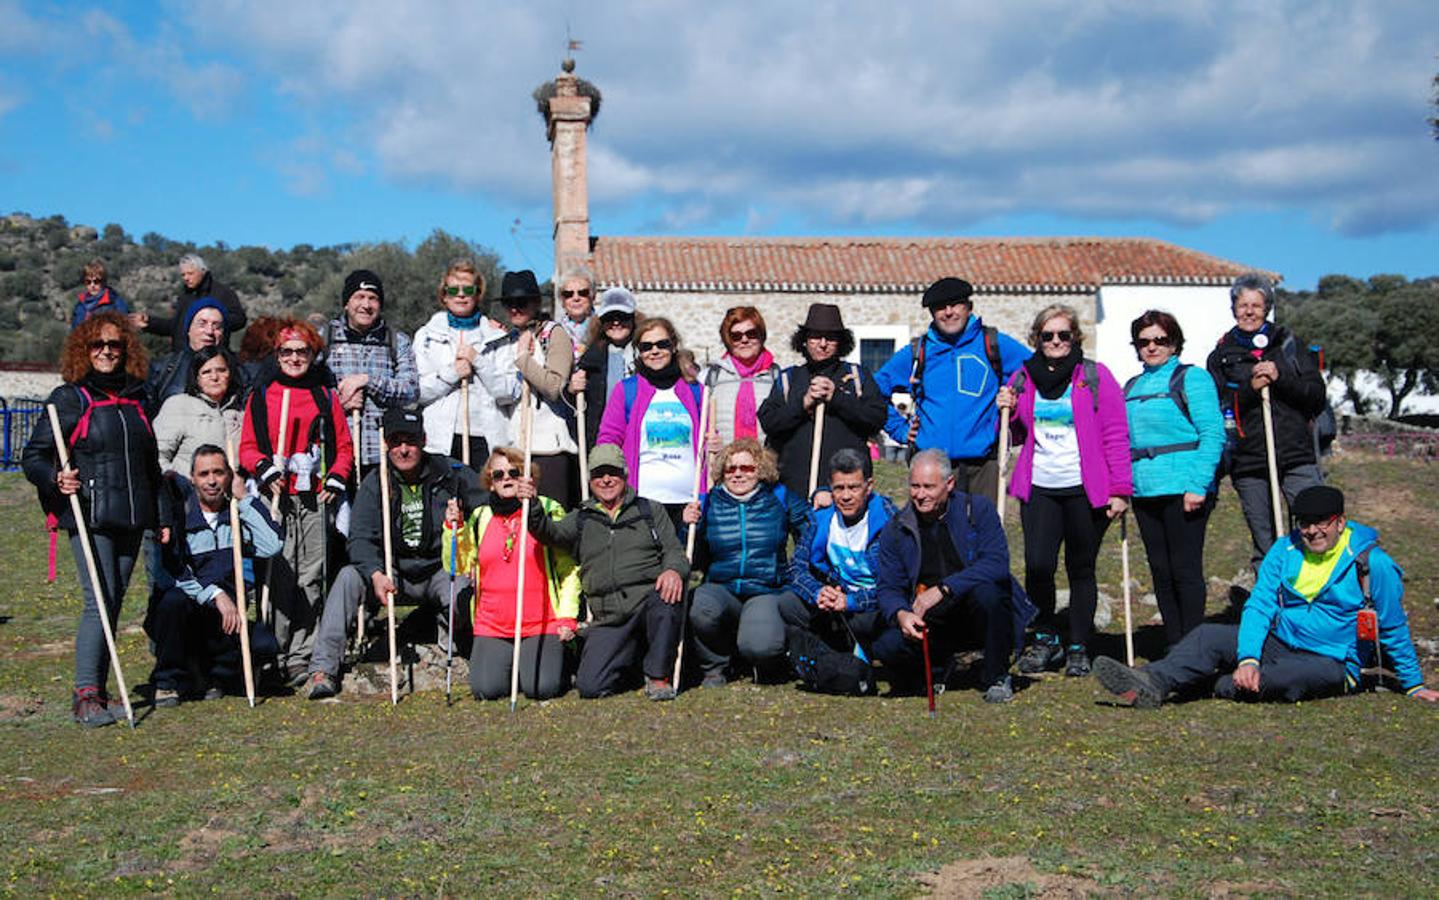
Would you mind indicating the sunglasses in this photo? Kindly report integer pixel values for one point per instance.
(283, 352)
(1063, 337)
(740, 468)
(94, 281)
(504, 474)
(582, 292)
(611, 321)
(606, 472)
(749, 334)
(662, 344)
(98, 345)
(461, 290)
(1308, 522)
(1161, 341)
(831, 336)
(403, 438)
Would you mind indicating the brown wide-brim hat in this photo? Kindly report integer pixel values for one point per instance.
(823, 317)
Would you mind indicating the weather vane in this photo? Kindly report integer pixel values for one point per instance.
(571, 45)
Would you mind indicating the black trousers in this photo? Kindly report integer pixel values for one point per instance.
(191, 648)
(979, 617)
(1174, 545)
(1062, 516)
(607, 660)
(1208, 655)
(479, 450)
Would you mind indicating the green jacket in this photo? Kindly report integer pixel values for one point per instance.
(620, 556)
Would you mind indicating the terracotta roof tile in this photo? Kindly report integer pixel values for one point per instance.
(873, 265)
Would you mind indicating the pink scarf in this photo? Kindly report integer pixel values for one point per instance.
(746, 420)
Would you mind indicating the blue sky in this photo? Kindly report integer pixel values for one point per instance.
(1285, 135)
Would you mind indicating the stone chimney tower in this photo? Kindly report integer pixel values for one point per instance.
(569, 104)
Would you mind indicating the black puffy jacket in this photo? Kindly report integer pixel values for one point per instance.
(114, 451)
(1296, 398)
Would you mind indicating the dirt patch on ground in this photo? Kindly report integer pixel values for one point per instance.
(13, 706)
(970, 879)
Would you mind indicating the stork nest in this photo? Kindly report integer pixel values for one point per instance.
(546, 91)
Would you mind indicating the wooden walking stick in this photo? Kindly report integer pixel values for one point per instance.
(389, 565)
(1000, 500)
(275, 500)
(527, 423)
(584, 448)
(701, 458)
(1124, 565)
(356, 435)
(238, 554)
(1274, 498)
(815, 449)
(96, 586)
(464, 412)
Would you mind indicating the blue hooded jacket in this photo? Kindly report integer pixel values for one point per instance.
(811, 570)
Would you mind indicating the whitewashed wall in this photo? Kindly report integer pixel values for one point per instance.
(1203, 313)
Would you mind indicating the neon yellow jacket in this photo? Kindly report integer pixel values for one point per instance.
(560, 568)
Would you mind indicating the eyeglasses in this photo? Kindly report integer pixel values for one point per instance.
(284, 352)
(1306, 523)
(403, 438)
(504, 474)
(582, 292)
(461, 290)
(739, 337)
(662, 344)
(830, 336)
(740, 469)
(1161, 341)
(98, 345)
(1062, 337)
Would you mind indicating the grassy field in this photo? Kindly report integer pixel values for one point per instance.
(745, 790)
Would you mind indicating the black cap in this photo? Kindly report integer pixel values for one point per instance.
(402, 421)
(1318, 502)
(947, 291)
(362, 280)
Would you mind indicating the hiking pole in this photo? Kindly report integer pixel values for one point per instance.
(265, 612)
(701, 460)
(815, 449)
(450, 653)
(1001, 494)
(1124, 564)
(527, 424)
(1273, 462)
(465, 426)
(389, 601)
(101, 607)
(928, 670)
(584, 448)
(238, 554)
(356, 436)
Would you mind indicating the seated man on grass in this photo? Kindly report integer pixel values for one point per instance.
(1298, 637)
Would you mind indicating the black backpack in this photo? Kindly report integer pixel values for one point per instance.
(825, 670)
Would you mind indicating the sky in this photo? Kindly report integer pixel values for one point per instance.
(1290, 136)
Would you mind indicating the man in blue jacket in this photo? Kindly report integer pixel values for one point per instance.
(952, 382)
(1298, 637)
(944, 569)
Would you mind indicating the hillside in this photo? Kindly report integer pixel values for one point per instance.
(41, 259)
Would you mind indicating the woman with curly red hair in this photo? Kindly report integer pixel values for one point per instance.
(116, 472)
(316, 464)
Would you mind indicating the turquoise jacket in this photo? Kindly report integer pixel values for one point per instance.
(1155, 420)
(1326, 625)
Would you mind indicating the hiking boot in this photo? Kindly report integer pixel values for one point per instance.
(1044, 654)
(214, 693)
(1133, 685)
(321, 686)
(166, 697)
(91, 709)
(659, 689)
(296, 676)
(714, 680)
(1076, 662)
(1002, 691)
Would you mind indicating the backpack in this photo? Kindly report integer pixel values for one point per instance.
(1090, 380)
(825, 670)
(916, 355)
(853, 371)
(631, 385)
(1175, 393)
(1324, 427)
(643, 505)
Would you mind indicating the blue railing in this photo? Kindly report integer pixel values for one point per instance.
(17, 420)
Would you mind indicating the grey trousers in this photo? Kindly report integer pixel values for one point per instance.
(297, 587)
(1254, 499)
(542, 667)
(351, 588)
(115, 555)
(1207, 656)
(723, 623)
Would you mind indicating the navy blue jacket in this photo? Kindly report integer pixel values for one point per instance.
(978, 538)
(745, 542)
(199, 558)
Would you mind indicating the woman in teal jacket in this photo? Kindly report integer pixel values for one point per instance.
(1176, 435)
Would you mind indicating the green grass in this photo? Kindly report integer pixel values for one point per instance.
(745, 790)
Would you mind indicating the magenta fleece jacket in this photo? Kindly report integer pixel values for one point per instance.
(1103, 438)
(617, 427)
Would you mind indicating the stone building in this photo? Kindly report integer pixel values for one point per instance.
(877, 282)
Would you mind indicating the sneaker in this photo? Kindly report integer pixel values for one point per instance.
(166, 697)
(90, 708)
(714, 680)
(1076, 662)
(320, 686)
(1133, 685)
(296, 677)
(1044, 654)
(214, 693)
(1002, 691)
(659, 689)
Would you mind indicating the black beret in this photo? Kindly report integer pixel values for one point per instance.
(947, 291)
(1318, 502)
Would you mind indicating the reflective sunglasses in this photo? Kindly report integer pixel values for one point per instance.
(97, 345)
(1063, 337)
(504, 474)
(662, 344)
(741, 468)
(461, 290)
(1161, 341)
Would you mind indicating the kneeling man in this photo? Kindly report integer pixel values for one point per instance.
(1298, 637)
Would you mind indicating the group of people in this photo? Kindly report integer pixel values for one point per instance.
(366, 467)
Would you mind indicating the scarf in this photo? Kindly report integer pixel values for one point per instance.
(1245, 339)
(1052, 377)
(662, 379)
(746, 418)
(466, 323)
(109, 382)
(504, 506)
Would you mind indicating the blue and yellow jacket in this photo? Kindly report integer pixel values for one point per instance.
(1326, 624)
